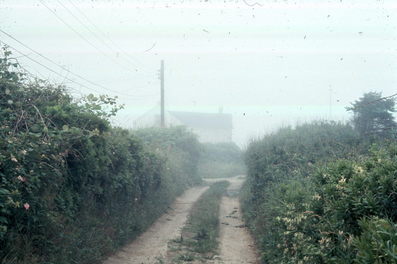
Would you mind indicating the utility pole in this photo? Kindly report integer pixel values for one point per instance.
(162, 124)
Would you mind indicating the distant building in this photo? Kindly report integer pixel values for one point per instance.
(209, 127)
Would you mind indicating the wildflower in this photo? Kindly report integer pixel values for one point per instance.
(22, 179)
(13, 158)
(26, 206)
(350, 240)
(316, 196)
(299, 235)
(342, 180)
(358, 169)
(23, 152)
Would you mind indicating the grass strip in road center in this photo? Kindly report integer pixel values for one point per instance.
(199, 239)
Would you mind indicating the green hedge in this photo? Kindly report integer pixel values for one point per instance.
(178, 147)
(344, 213)
(72, 188)
(314, 195)
(291, 154)
(279, 168)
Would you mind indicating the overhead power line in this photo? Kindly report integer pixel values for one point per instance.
(378, 100)
(128, 57)
(99, 38)
(387, 97)
(48, 68)
(56, 64)
(82, 36)
(363, 106)
(61, 67)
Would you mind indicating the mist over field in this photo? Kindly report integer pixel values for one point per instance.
(269, 63)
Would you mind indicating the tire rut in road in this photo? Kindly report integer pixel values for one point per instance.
(151, 246)
(236, 245)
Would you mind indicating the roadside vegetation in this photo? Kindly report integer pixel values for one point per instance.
(199, 239)
(221, 160)
(326, 192)
(180, 151)
(74, 189)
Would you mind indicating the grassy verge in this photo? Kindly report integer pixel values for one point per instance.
(199, 239)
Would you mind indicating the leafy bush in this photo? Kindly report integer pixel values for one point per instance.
(290, 154)
(378, 241)
(72, 188)
(328, 213)
(178, 147)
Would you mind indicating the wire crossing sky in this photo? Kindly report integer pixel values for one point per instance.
(269, 63)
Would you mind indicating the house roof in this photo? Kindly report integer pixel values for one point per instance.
(204, 120)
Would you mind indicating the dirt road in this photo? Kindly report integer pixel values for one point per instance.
(236, 244)
(151, 246)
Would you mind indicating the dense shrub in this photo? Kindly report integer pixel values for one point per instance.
(178, 147)
(291, 154)
(219, 160)
(72, 188)
(333, 212)
(378, 241)
(278, 166)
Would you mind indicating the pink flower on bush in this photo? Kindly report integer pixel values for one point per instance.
(22, 179)
(27, 206)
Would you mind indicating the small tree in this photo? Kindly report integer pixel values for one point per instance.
(373, 115)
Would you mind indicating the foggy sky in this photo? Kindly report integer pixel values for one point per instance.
(270, 64)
